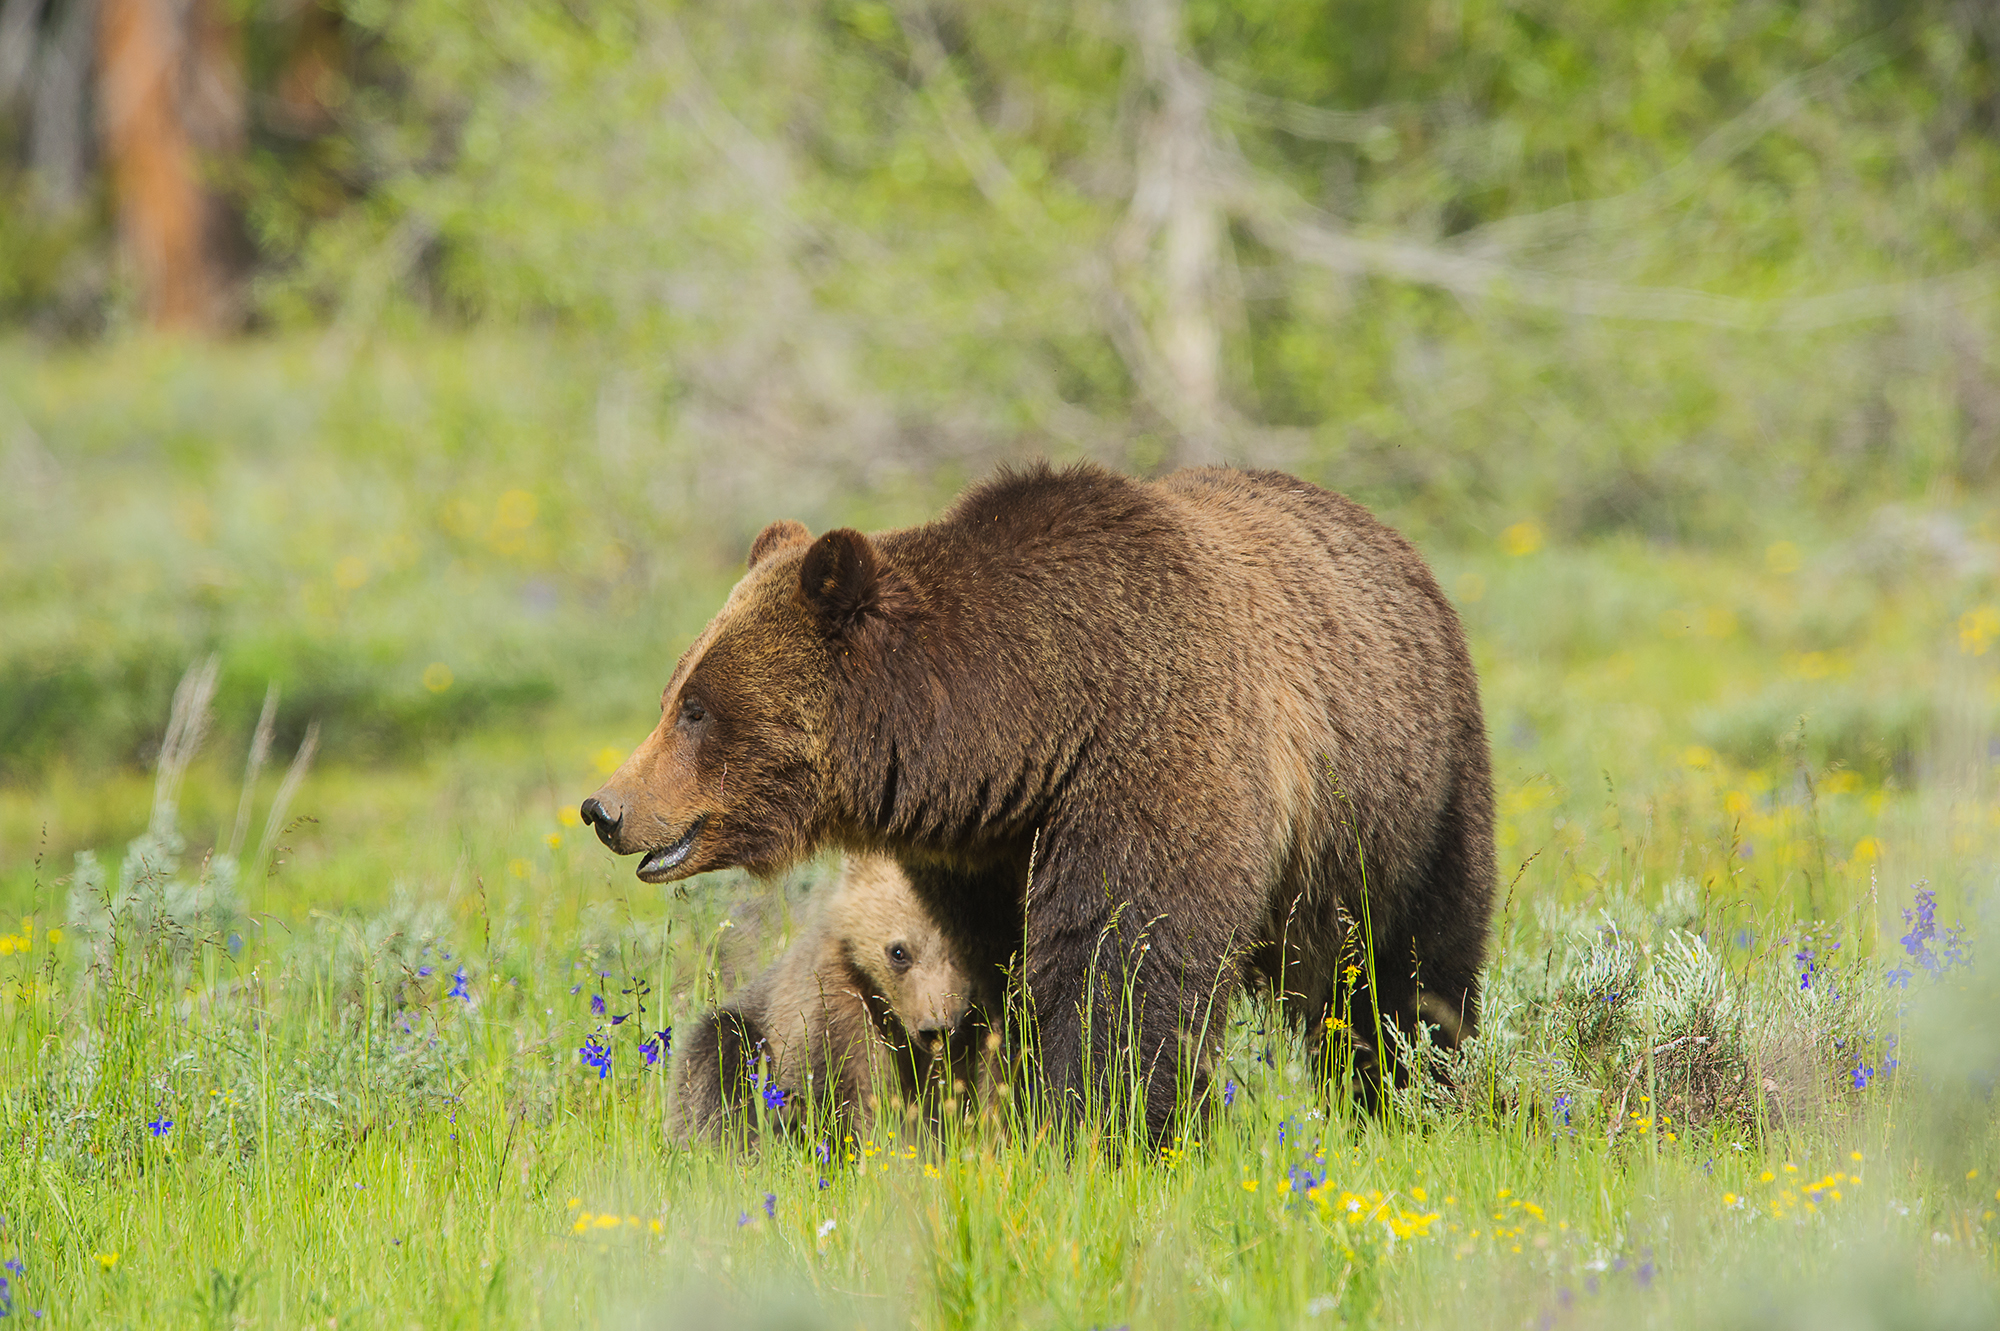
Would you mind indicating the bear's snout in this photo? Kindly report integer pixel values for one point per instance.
(941, 1014)
(606, 814)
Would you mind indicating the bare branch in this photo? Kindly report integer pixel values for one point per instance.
(1291, 227)
(1297, 118)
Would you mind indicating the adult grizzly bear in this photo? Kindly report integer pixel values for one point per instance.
(868, 995)
(1224, 713)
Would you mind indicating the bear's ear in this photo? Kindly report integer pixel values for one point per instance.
(780, 535)
(844, 580)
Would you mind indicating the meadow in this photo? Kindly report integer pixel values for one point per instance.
(380, 1037)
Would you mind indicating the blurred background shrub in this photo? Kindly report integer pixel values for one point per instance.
(1637, 265)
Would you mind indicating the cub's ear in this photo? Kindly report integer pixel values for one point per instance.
(780, 535)
(845, 580)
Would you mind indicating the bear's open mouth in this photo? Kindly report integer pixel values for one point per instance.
(659, 863)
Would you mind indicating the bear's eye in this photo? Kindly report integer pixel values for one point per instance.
(899, 956)
(692, 712)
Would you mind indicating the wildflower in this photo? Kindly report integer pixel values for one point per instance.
(771, 1205)
(596, 1054)
(826, 1227)
(1228, 1092)
(1862, 1074)
(1804, 957)
(161, 1126)
(1561, 1106)
(458, 985)
(649, 1049)
(107, 1260)
(597, 1005)
(424, 972)
(16, 1265)
(774, 1096)
(742, 1219)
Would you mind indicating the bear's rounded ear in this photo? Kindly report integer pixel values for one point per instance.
(842, 578)
(780, 535)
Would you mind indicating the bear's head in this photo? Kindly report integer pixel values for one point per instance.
(892, 940)
(736, 771)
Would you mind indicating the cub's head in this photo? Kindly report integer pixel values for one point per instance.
(890, 939)
(735, 773)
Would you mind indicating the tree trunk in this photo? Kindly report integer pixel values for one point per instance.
(1175, 231)
(171, 111)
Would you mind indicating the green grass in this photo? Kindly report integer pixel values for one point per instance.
(1763, 747)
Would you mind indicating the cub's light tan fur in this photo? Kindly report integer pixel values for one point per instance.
(835, 1016)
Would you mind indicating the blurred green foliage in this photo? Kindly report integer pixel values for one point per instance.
(1644, 276)
(1656, 266)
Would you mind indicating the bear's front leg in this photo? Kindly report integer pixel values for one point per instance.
(1126, 1008)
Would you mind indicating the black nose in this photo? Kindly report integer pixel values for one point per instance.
(603, 819)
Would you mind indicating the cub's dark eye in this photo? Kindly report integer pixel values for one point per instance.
(899, 956)
(692, 712)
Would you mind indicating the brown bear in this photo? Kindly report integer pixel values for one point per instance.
(1173, 736)
(869, 995)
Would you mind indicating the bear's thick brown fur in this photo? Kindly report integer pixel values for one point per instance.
(1227, 715)
(870, 996)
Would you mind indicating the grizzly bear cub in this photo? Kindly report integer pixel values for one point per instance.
(870, 997)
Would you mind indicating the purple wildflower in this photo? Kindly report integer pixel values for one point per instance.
(1804, 956)
(161, 1126)
(650, 1051)
(1862, 1075)
(774, 1096)
(597, 1005)
(424, 972)
(596, 1054)
(771, 1205)
(1228, 1091)
(458, 985)
(1561, 1106)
